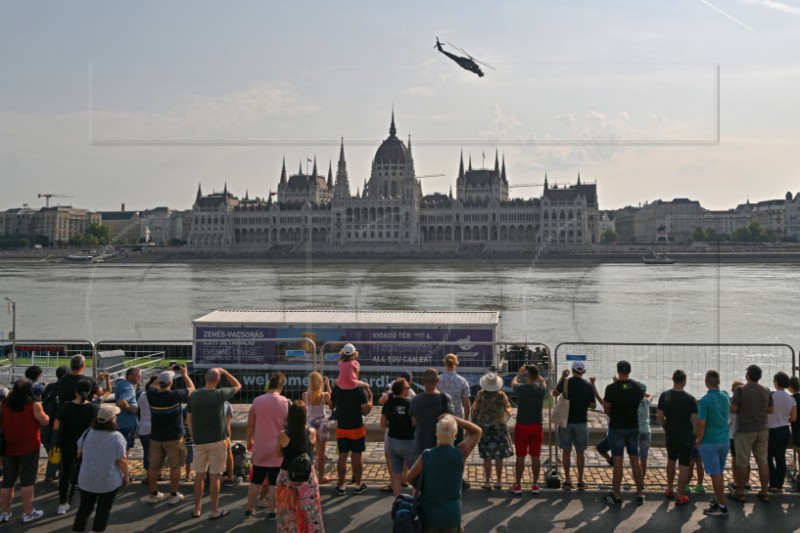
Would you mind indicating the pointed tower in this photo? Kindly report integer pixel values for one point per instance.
(545, 182)
(283, 172)
(342, 190)
(461, 166)
(496, 164)
(225, 190)
(470, 163)
(313, 181)
(330, 175)
(503, 171)
(451, 192)
(199, 194)
(392, 128)
(246, 195)
(579, 179)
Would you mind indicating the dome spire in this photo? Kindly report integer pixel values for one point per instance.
(392, 128)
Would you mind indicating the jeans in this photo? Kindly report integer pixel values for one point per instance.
(103, 501)
(779, 439)
(145, 439)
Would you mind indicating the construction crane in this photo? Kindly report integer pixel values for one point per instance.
(429, 176)
(526, 185)
(48, 195)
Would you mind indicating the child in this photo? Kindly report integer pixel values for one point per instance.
(349, 369)
(644, 429)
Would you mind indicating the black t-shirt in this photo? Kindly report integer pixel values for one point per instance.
(397, 414)
(166, 413)
(678, 407)
(580, 395)
(348, 404)
(73, 420)
(624, 397)
(66, 386)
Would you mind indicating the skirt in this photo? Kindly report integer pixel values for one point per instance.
(320, 424)
(299, 508)
(495, 442)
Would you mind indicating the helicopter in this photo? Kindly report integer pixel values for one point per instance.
(467, 63)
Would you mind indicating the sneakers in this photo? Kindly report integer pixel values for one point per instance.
(157, 497)
(699, 489)
(714, 509)
(175, 498)
(272, 516)
(4, 517)
(515, 488)
(233, 482)
(682, 500)
(35, 514)
(340, 491)
(610, 499)
(62, 508)
(535, 489)
(263, 503)
(640, 499)
(360, 489)
(669, 493)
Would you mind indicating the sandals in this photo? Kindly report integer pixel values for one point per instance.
(486, 486)
(763, 496)
(735, 497)
(566, 486)
(581, 485)
(324, 480)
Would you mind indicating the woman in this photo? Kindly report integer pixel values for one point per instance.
(21, 417)
(299, 508)
(645, 435)
(780, 420)
(491, 411)
(72, 420)
(400, 436)
(442, 470)
(265, 421)
(101, 477)
(145, 424)
(317, 399)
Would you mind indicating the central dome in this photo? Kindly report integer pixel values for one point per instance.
(392, 150)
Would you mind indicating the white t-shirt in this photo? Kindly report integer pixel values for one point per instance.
(782, 403)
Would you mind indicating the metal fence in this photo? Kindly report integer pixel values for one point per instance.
(48, 354)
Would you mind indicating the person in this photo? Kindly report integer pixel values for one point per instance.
(66, 385)
(349, 369)
(450, 382)
(167, 435)
(426, 408)
(442, 469)
(621, 402)
(34, 373)
(780, 435)
(399, 443)
(385, 397)
(72, 420)
(125, 396)
(712, 438)
(189, 443)
(209, 429)
(50, 405)
(603, 447)
(528, 432)
(145, 424)
(318, 399)
(794, 389)
(3, 396)
(101, 477)
(21, 417)
(752, 403)
(351, 405)
(581, 398)
(491, 412)
(299, 507)
(266, 418)
(645, 435)
(677, 415)
(230, 478)
(732, 434)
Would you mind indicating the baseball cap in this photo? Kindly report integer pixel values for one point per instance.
(348, 349)
(579, 367)
(624, 367)
(166, 377)
(107, 412)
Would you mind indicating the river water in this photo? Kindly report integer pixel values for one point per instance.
(697, 303)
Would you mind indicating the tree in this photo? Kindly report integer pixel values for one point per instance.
(609, 236)
(76, 240)
(102, 233)
(698, 235)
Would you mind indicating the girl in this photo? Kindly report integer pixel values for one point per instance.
(317, 399)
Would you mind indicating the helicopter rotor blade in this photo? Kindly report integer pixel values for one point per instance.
(484, 64)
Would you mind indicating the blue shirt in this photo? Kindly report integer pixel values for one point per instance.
(441, 487)
(126, 391)
(101, 474)
(457, 387)
(714, 408)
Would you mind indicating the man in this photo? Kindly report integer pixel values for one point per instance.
(677, 415)
(528, 433)
(33, 373)
(125, 395)
(752, 403)
(580, 394)
(458, 388)
(166, 436)
(66, 385)
(621, 404)
(208, 426)
(351, 405)
(712, 436)
(426, 408)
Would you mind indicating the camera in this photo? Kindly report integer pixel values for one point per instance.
(177, 368)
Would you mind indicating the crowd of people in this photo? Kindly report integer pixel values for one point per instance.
(428, 437)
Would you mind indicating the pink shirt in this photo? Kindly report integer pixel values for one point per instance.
(348, 374)
(270, 411)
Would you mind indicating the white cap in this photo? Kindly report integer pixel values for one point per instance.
(166, 377)
(348, 349)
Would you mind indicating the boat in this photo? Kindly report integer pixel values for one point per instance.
(658, 259)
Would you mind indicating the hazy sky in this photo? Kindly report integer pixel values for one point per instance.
(107, 102)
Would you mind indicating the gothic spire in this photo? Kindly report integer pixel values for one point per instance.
(283, 171)
(470, 162)
(503, 172)
(496, 163)
(461, 166)
(225, 189)
(451, 191)
(579, 178)
(392, 128)
(409, 147)
(300, 169)
(314, 171)
(545, 181)
(199, 194)
(330, 175)
(342, 190)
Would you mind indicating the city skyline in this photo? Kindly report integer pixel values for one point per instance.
(119, 105)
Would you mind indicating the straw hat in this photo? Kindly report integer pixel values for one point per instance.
(491, 382)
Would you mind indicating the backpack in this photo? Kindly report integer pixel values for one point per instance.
(300, 467)
(405, 518)
(239, 452)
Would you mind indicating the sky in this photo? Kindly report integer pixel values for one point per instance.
(112, 103)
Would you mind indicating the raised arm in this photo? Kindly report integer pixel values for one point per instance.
(233, 382)
(188, 381)
(473, 434)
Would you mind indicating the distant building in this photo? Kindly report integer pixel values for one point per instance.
(162, 225)
(659, 221)
(792, 218)
(726, 222)
(124, 226)
(57, 223)
(391, 214)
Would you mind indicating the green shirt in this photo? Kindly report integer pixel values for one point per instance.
(208, 414)
(443, 468)
(714, 408)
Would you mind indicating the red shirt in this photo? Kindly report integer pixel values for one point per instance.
(21, 430)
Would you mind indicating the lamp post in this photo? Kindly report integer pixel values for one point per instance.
(12, 307)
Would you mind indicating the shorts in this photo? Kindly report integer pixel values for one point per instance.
(25, 467)
(210, 457)
(574, 435)
(352, 445)
(644, 445)
(680, 451)
(603, 446)
(189, 459)
(130, 435)
(528, 440)
(714, 457)
(259, 473)
(756, 443)
(621, 440)
(401, 453)
(696, 453)
(171, 451)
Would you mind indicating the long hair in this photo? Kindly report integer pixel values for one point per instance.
(296, 423)
(314, 383)
(21, 394)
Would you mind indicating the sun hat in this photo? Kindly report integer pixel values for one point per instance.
(491, 382)
(107, 413)
(348, 349)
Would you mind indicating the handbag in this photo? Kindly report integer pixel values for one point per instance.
(54, 455)
(561, 410)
